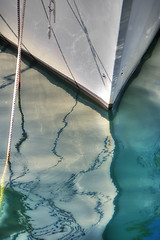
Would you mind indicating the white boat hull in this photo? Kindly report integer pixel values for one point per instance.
(96, 45)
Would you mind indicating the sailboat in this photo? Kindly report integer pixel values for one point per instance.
(94, 45)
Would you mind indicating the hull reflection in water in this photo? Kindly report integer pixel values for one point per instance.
(59, 184)
(136, 166)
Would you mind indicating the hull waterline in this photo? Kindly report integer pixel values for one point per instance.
(94, 46)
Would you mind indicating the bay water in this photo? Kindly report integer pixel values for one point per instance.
(77, 171)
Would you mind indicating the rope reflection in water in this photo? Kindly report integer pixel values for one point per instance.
(62, 176)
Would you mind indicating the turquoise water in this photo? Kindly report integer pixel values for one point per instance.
(136, 164)
(77, 171)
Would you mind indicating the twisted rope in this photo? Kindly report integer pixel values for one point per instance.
(16, 83)
(17, 76)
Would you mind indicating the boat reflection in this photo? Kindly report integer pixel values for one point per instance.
(60, 182)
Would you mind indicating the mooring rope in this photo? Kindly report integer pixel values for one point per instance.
(16, 84)
(17, 76)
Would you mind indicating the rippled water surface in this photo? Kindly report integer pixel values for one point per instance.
(76, 171)
(136, 164)
(57, 184)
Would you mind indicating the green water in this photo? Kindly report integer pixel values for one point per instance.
(136, 164)
(77, 171)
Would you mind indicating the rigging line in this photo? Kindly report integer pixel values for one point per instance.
(94, 52)
(26, 49)
(8, 26)
(85, 29)
(59, 46)
(89, 41)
